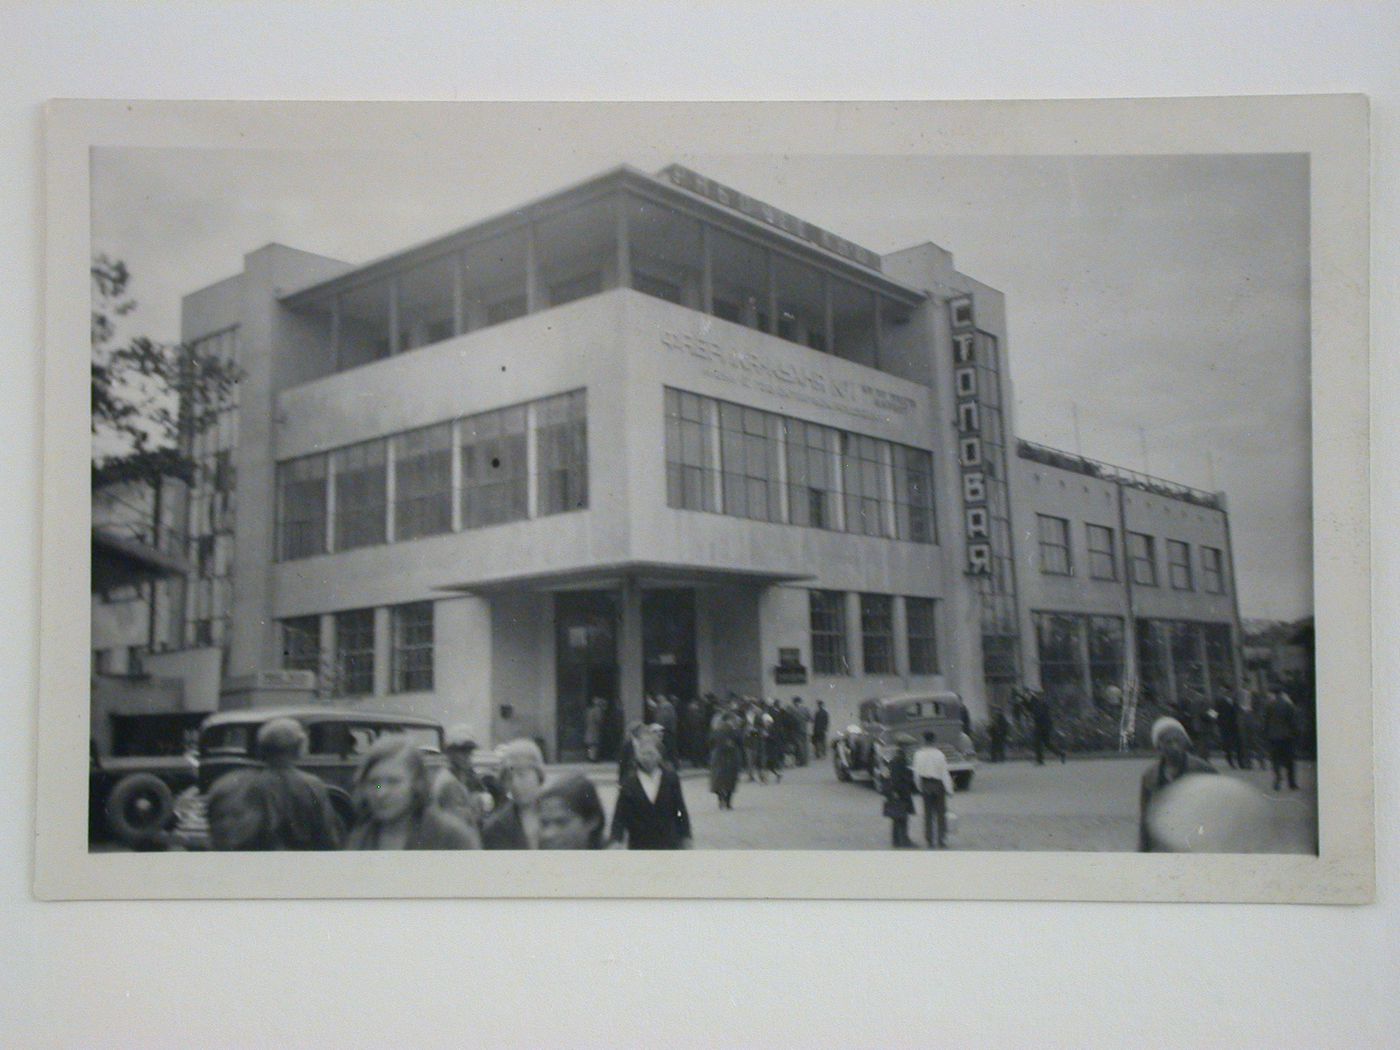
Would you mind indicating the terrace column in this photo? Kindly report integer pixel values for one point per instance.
(629, 650)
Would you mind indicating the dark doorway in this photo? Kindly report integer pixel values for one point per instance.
(668, 643)
(585, 646)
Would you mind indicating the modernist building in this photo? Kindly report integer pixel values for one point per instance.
(649, 434)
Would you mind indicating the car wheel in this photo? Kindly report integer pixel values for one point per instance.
(138, 808)
(962, 781)
(840, 763)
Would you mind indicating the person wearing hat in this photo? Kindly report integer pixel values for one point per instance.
(1174, 761)
(516, 823)
(899, 793)
(307, 818)
(650, 812)
(480, 798)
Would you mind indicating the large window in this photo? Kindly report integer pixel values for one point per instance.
(877, 633)
(913, 494)
(301, 485)
(1142, 559)
(354, 653)
(863, 479)
(495, 478)
(301, 644)
(412, 653)
(887, 488)
(828, 623)
(1179, 565)
(1103, 561)
(1212, 570)
(360, 488)
(921, 626)
(1105, 636)
(423, 482)
(690, 452)
(749, 443)
(1059, 644)
(1054, 546)
(811, 451)
(561, 442)
(494, 475)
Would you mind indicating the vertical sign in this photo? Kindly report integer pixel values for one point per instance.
(977, 529)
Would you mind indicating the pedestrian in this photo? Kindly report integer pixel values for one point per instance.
(242, 812)
(650, 811)
(999, 730)
(821, 722)
(775, 740)
(393, 803)
(693, 726)
(899, 794)
(571, 814)
(1174, 761)
(804, 730)
(1280, 721)
(753, 742)
(307, 820)
(516, 823)
(935, 783)
(626, 754)
(1203, 718)
(482, 795)
(1043, 727)
(1228, 723)
(666, 717)
(593, 728)
(726, 756)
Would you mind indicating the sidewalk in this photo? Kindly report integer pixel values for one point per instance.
(606, 772)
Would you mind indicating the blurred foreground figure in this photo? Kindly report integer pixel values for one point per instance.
(307, 818)
(1174, 762)
(571, 814)
(243, 812)
(1221, 815)
(394, 803)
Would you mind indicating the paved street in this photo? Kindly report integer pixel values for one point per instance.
(1090, 804)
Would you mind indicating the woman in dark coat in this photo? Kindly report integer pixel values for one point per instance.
(899, 795)
(726, 758)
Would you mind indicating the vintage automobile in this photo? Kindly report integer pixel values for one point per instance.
(337, 739)
(867, 746)
(135, 775)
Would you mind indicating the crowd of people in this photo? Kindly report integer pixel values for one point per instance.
(402, 800)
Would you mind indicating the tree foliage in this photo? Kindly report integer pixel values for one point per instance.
(148, 398)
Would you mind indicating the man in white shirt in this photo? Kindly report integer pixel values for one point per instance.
(935, 784)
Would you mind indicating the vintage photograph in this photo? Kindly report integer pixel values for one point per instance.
(658, 494)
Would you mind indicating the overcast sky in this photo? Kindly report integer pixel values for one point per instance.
(1164, 296)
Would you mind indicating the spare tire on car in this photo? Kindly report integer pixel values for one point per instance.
(138, 808)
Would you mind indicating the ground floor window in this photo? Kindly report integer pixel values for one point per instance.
(923, 640)
(1183, 661)
(412, 652)
(354, 653)
(301, 644)
(877, 633)
(1080, 657)
(828, 624)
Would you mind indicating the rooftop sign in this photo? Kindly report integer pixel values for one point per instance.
(766, 213)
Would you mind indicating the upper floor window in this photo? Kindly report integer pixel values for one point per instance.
(495, 480)
(1212, 570)
(354, 653)
(1103, 560)
(360, 488)
(423, 482)
(561, 440)
(749, 453)
(301, 486)
(812, 453)
(1054, 546)
(877, 633)
(1179, 565)
(301, 644)
(1142, 559)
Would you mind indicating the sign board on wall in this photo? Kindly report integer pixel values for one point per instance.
(977, 525)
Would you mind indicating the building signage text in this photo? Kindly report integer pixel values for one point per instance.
(977, 527)
(793, 382)
(766, 213)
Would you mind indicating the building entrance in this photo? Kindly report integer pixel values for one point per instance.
(585, 646)
(668, 643)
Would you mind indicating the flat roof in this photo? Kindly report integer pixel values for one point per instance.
(624, 176)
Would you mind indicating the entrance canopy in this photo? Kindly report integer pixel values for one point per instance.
(644, 575)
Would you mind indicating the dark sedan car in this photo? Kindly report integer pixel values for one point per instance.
(867, 746)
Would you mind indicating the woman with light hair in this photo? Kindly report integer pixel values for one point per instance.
(393, 803)
(516, 823)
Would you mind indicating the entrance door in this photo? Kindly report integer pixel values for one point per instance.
(585, 646)
(668, 643)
